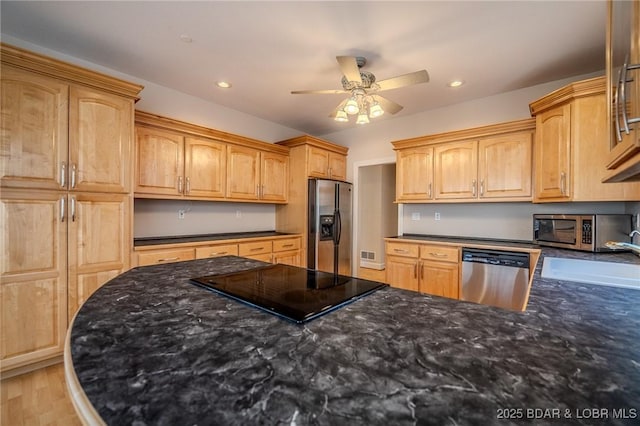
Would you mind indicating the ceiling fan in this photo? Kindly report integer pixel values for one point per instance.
(363, 89)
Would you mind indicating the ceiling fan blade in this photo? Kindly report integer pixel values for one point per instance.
(319, 92)
(349, 67)
(404, 80)
(338, 108)
(387, 105)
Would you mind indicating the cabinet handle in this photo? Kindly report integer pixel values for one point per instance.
(168, 259)
(220, 253)
(482, 187)
(62, 212)
(73, 209)
(258, 191)
(415, 270)
(430, 189)
(397, 250)
(257, 248)
(473, 187)
(330, 172)
(63, 174)
(434, 254)
(73, 176)
(262, 191)
(287, 245)
(188, 185)
(623, 94)
(180, 184)
(616, 102)
(421, 270)
(563, 178)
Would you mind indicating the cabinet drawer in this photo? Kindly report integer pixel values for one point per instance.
(286, 244)
(257, 247)
(402, 249)
(216, 251)
(441, 253)
(165, 256)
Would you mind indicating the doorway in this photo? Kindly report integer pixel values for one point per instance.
(375, 215)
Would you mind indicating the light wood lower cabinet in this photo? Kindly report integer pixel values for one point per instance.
(58, 248)
(216, 250)
(425, 268)
(156, 257)
(273, 250)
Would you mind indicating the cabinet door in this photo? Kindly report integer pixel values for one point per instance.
(402, 272)
(456, 170)
(156, 257)
(504, 166)
(623, 39)
(439, 279)
(216, 251)
(414, 174)
(552, 159)
(292, 257)
(337, 166)
(159, 162)
(33, 130)
(274, 177)
(33, 285)
(100, 134)
(205, 165)
(243, 172)
(99, 239)
(318, 162)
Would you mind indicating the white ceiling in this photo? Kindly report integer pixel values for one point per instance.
(266, 49)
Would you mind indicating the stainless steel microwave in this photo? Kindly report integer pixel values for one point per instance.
(581, 232)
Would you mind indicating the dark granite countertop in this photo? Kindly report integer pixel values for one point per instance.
(151, 348)
(154, 241)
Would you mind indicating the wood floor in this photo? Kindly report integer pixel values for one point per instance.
(37, 398)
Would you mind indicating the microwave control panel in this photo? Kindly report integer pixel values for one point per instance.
(587, 233)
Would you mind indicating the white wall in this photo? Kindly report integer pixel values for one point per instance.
(153, 218)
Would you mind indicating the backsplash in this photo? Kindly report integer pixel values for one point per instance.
(157, 218)
(512, 221)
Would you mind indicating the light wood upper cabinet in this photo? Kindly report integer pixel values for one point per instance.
(623, 42)
(327, 164)
(100, 129)
(34, 130)
(205, 168)
(159, 162)
(456, 170)
(274, 174)
(414, 174)
(571, 146)
(490, 163)
(243, 168)
(175, 159)
(504, 166)
(33, 285)
(553, 150)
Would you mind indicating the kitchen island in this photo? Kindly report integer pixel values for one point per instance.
(151, 348)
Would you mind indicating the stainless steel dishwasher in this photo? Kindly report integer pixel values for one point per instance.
(496, 278)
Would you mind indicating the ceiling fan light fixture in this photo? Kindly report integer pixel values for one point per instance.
(375, 110)
(362, 119)
(351, 107)
(341, 116)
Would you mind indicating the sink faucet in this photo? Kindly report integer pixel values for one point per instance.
(634, 232)
(621, 246)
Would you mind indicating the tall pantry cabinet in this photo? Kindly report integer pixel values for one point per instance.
(65, 172)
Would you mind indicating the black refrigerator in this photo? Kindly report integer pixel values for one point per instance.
(329, 243)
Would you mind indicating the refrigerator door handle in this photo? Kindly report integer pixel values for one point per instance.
(338, 225)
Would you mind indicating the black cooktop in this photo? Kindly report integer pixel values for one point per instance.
(296, 294)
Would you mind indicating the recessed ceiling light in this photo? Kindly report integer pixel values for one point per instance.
(455, 83)
(185, 38)
(223, 84)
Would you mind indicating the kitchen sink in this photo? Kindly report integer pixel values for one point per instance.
(592, 272)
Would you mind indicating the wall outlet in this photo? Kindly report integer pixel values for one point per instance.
(181, 214)
(415, 216)
(437, 216)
